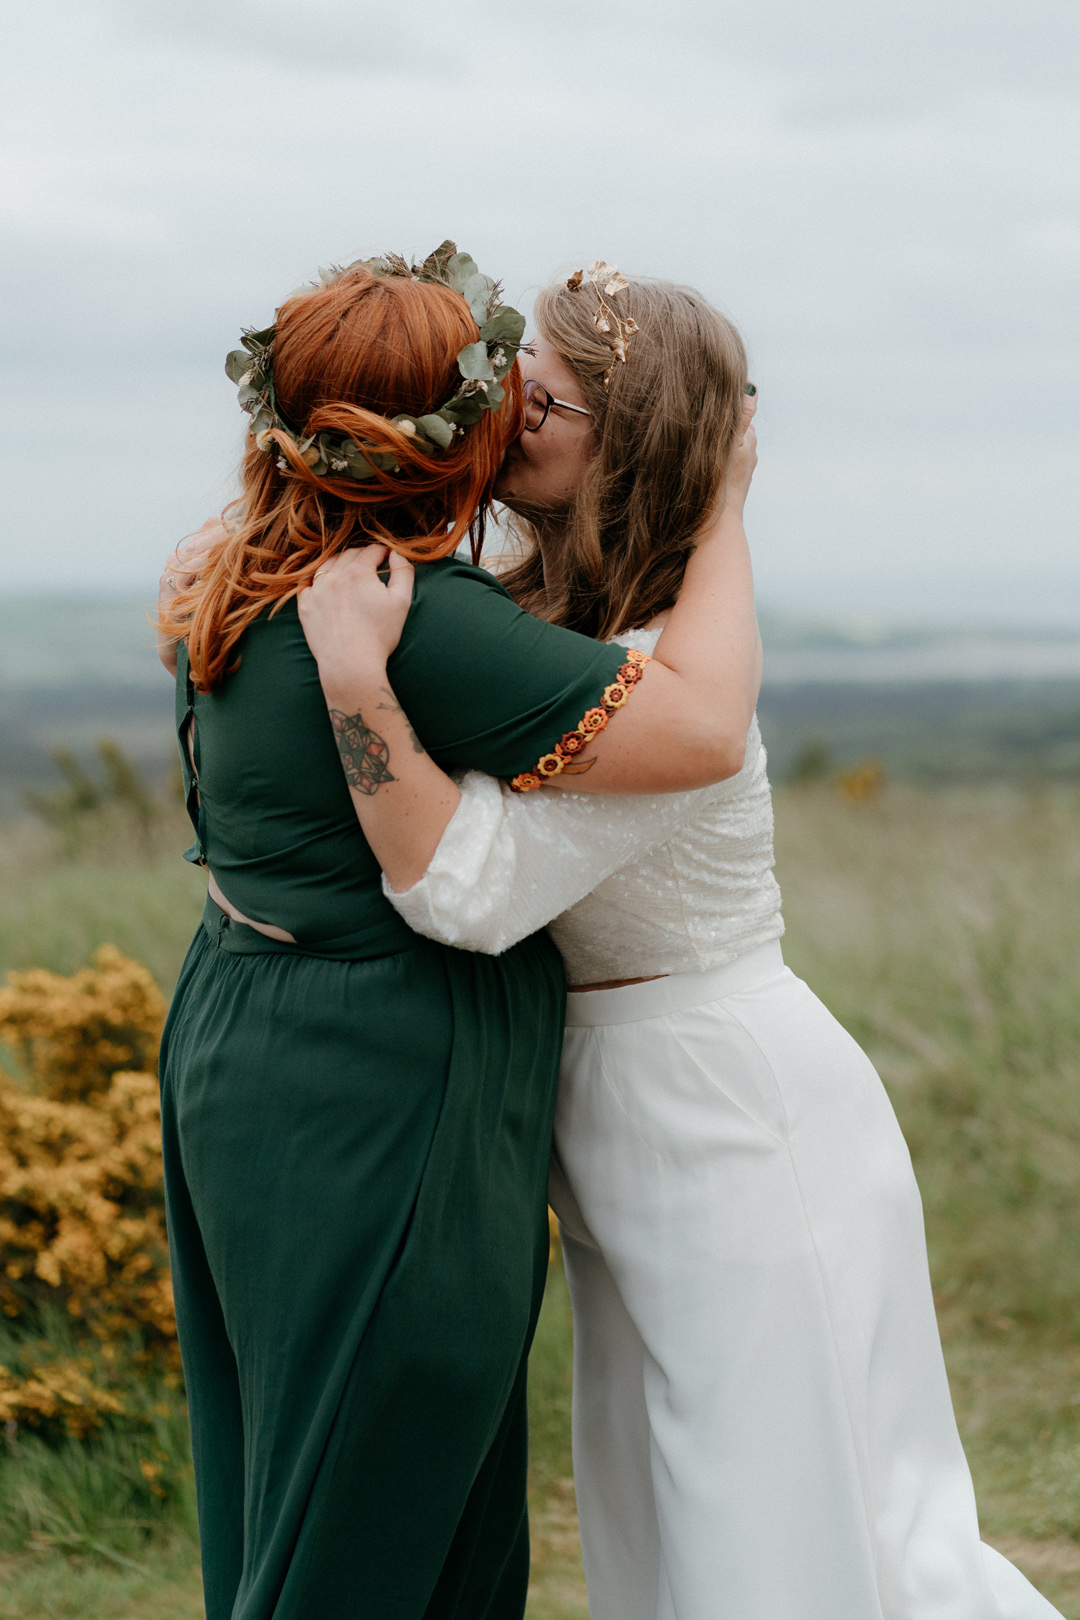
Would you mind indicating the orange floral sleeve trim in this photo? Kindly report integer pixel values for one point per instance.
(592, 722)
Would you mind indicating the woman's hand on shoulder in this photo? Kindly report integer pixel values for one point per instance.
(182, 569)
(743, 461)
(351, 618)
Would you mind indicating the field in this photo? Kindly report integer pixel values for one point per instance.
(948, 705)
(942, 928)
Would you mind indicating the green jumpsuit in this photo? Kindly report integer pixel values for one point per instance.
(356, 1132)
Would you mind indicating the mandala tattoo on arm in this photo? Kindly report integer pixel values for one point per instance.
(364, 754)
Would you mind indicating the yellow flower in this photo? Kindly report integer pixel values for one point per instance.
(82, 1220)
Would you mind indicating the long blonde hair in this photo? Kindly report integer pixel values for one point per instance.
(664, 431)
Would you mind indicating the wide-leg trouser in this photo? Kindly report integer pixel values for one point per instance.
(356, 1157)
(762, 1421)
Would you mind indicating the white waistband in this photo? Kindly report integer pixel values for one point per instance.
(631, 1003)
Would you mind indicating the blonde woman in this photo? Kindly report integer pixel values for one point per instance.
(762, 1421)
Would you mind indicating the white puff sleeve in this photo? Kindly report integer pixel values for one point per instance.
(508, 863)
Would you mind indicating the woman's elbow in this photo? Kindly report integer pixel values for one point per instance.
(731, 756)
(715, 756)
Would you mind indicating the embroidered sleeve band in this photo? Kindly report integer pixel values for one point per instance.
(589, 726)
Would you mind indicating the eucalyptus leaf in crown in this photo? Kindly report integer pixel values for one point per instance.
(483, 365)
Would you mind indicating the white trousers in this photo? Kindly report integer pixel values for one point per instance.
(762, 1421)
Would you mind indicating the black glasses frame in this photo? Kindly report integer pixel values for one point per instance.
(533, 389)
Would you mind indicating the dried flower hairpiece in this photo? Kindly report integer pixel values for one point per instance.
(617, 329)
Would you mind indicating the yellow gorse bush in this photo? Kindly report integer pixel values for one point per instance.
(59, 1393)
(82, 1220)
(863, 782)
(74, 1034)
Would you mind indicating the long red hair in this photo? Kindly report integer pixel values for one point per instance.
(348, 355)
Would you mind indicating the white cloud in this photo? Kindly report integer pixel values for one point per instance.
(886, 198)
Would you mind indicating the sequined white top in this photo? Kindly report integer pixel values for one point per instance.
(629, 885)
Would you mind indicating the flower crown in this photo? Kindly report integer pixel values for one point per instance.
(616, 330)
(482, 365)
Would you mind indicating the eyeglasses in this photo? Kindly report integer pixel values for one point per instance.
(538, 403)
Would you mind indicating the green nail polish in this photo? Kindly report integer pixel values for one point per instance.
(751, 389)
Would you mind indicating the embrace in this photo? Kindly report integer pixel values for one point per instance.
(491, 920)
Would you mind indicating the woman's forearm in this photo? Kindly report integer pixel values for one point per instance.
(684, 727)
(711, 639)
(687, 721)
(403, 801)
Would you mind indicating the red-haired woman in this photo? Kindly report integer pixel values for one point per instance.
(357, 1120)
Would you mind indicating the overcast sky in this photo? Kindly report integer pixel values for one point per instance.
(884, 196)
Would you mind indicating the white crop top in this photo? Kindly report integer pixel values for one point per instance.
(628, 885)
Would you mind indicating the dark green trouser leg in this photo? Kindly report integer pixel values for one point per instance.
(486, 1574)
(217, 1433)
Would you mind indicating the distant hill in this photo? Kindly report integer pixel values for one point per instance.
(931, 704)
(73, 670)
(928, 731)
(61, 642)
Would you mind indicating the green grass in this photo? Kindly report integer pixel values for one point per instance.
(104, 1495)
(943, 930)
(557, 1588)
(104, 879)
